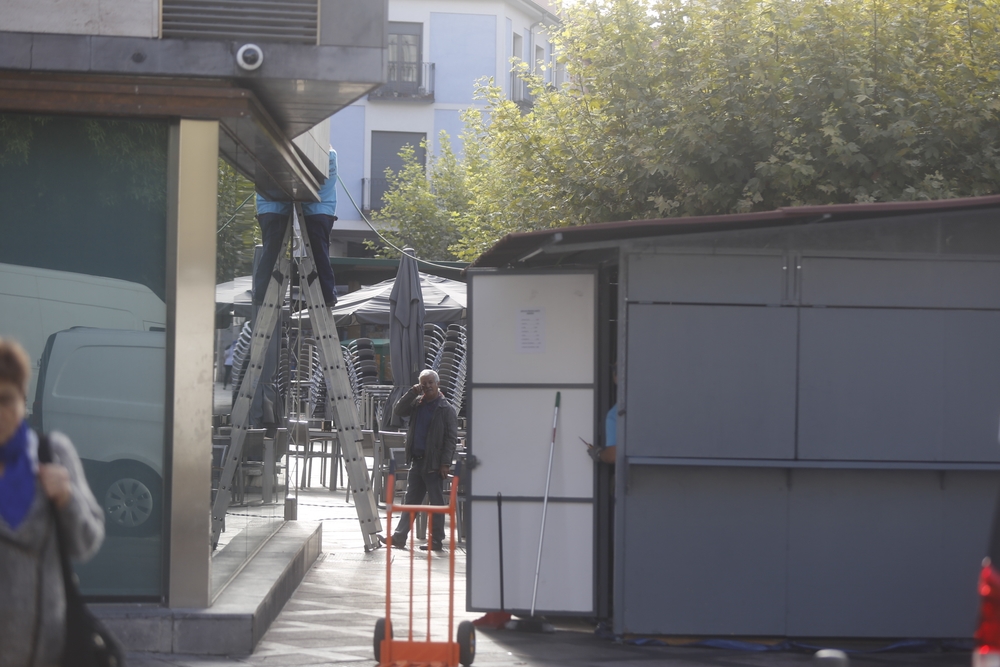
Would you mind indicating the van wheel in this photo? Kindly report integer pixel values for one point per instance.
(132, 499)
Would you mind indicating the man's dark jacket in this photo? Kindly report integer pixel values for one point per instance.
(442, 434)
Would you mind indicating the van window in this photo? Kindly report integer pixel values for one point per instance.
(128, 375)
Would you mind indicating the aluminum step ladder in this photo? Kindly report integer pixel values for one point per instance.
(340, 406)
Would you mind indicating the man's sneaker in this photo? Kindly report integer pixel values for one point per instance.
(434, 547)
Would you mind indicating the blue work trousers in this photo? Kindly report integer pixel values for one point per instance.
(418, 484)
(272, 231)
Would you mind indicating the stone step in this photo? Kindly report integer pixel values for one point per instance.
(240, 615)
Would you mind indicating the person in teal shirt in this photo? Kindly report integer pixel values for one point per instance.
(609, 451)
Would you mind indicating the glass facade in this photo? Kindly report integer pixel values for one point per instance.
(256, 509)
(83, 209)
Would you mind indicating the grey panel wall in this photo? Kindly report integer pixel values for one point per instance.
(912, 375)
(969, 499)
(695, 278)
(864, 374)
(879, 553)
(899, 283)
(868, 542)
(709, 551)
(899, 384)
(711, 381)
(804, 553)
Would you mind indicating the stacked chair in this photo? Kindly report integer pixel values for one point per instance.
(364, 362)
(241, 357)
(351, 373)
(450, 364)
(434, 338)
(359, 355)
(314, 389)
(300, 378)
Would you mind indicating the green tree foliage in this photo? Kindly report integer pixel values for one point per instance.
(78, 191)
(128, 157)
(692, 107)
(424, 209)
(236, 228)
(134, 153)
(16, 134)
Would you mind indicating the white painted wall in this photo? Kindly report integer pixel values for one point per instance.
(419, 11)
(401, 116)
(419, 116)
(120, 18)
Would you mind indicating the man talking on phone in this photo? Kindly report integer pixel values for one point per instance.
(430, 448)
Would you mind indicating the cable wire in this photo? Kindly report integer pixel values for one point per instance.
(387, 241)
(235, 213)
(367, 222)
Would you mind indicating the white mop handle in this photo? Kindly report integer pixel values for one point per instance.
(545, 504)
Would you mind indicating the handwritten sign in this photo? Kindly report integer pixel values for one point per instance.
(530, 331)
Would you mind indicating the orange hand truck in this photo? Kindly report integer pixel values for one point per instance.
(461, 646)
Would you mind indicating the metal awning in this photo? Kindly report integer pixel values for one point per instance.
(517, 248)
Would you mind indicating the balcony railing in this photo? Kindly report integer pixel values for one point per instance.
(407, 81)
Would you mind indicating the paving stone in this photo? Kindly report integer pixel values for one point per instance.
(330, 618)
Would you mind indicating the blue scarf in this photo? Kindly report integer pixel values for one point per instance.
(17, 484)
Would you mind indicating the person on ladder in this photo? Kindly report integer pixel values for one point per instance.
(272, 216)
(430, 448)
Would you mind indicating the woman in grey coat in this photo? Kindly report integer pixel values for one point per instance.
(32, 597)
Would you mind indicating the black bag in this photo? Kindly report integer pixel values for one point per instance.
(88, 642)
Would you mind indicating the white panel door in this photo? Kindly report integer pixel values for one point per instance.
(532, 336)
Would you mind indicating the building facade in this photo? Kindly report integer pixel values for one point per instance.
(438, 51)
(114, 116)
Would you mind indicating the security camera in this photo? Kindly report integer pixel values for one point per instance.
(249, 57)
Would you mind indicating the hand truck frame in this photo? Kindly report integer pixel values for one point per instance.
(460, 648)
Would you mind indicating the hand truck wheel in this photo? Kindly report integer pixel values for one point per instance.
(466, 643)
(380, 634)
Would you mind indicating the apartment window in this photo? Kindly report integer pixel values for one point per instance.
(385, 155)
(409, 79)
(404, 54)
(518, 88)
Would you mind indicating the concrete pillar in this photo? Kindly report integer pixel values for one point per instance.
(193, 165)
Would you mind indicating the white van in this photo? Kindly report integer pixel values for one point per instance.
(35, 303)
(106, 389)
